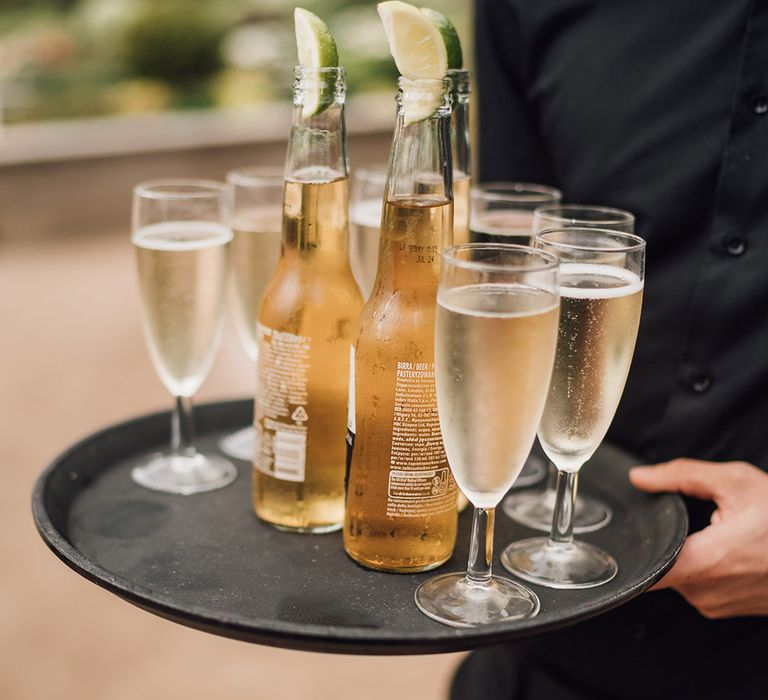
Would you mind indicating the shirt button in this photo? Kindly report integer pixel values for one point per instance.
(759, 104)
(734, 245)
(701, 383)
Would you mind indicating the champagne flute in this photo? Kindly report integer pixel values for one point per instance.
(535, 509)
(364, 224)
(181, 236)
(495, 338)
(256, 197)
(601, 291)
(502, 212)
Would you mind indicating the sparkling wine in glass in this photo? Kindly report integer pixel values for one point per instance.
(495, 337)
(365, 223)
(502, 212)
(256, 196)
(601, 292)
(181, 236)
(532, 508)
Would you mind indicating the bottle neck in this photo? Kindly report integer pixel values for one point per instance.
(315, 221)
(316, 193)
(460, 133)
(414, 233)
(317, 148)
(417, 220)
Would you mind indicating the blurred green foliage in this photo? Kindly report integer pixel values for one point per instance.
(176, 42)
(76, 58)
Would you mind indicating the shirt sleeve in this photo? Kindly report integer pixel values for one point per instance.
(510, 148)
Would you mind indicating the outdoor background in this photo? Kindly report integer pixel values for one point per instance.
(96, 95)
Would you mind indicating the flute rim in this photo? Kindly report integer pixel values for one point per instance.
(551, 262)
(256, 176)
(638, 243)
(516, 192)
(204, 188)
(621, 216)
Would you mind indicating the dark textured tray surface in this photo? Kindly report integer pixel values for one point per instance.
(207, 562)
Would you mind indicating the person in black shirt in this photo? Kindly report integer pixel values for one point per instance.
(660, 108)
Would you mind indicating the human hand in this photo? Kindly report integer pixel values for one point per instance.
(722, 570)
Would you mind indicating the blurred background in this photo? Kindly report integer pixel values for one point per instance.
(96, 95)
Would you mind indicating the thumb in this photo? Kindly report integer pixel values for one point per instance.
(690, 477)
(689, 562)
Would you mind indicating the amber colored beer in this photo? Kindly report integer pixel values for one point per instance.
(401, 496)
(306, 320)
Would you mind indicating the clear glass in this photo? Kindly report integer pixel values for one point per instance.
(601, 292)
(582, 215)
(256, 198)
(502, 212)
(535, 509)
(181, 235)
(365, 223)
(306, 318)
(392, 390)
(495, 338)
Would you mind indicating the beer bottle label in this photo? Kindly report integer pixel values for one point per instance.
(281, 419)
(420, 482)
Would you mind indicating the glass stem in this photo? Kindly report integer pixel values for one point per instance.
(565, 502)
(481, 545)
(551, 484)
(183, 427)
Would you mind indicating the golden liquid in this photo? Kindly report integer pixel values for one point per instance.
(314, 295)
(433, 185)
(182, 276)
(255, 250)
(397, 326)
(495, 345)
(599, 317)
(502, 226)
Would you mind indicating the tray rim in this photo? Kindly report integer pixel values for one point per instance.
(303, 636)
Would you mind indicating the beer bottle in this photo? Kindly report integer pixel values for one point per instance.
(400, 511)
(306, 320)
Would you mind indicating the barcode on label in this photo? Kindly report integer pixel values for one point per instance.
(290, 455)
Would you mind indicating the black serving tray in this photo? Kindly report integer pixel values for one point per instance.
(205, 561)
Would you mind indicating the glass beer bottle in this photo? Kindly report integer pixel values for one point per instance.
(306, 320)
(401, 497)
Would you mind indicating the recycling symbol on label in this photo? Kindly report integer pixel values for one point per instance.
(299, 415)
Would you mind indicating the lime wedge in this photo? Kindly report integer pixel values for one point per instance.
(450, 37)
(415, 42)
(317, 49)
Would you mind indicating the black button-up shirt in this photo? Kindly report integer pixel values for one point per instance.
(659, 107)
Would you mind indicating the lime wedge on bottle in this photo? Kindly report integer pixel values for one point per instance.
(415, 42)
(450, 37)
(424, 45)
(317, 49)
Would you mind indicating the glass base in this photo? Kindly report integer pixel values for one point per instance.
(535, 509)
(534, 470)
(456, 601)
(240, 445)
(572, 564)
(309, 529)
(185, 475)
